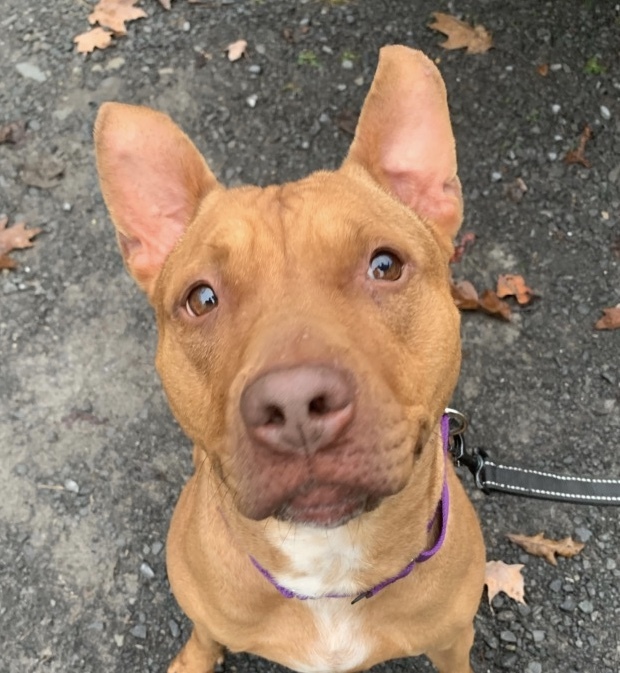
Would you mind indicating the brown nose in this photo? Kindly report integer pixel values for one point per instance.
(298, 409)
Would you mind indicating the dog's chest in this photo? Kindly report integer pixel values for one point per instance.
(324, 563)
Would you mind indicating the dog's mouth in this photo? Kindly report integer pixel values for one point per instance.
(325, 506)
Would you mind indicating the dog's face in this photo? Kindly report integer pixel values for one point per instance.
(307, 338)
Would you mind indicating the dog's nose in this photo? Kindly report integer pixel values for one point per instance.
(299, 409)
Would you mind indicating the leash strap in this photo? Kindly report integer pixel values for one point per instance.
(490, 476)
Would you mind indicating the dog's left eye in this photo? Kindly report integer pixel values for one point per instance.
(201, 300)
(384, 265)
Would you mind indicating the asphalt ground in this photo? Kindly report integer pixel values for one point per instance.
(91, 461)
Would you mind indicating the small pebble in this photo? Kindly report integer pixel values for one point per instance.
(186, 26)
(147, 571)
(119, 639)
(30, 71)
(533, 667)
(538, 636)
(251, 100)
(66, 206)
(552, 156)
(156, 547)
(610, 564)
(347, 64)
(71, 486)
(175, 631)
(555, 108)
(586, 607)
(568, 605)
(583, 534)
(139, 631)
(255, 69)
(605, 113)
(496, 176)
(508, 637)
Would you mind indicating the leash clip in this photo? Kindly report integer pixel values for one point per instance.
(474, 461)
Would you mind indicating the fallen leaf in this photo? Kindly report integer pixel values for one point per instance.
(578, 156)
(539, 545)
(96, 38)
(467, 299)
(13, 238)
(114, 14)
(515, 190)
(236, 50)
(500, 576)
(461, 35)
(165, 3)
(512, 285)
(45, 173)
(13, 132)
(462, 246)
(543, 69)
(346, 121)
(610, 319)
(465, 296)
(490, 303)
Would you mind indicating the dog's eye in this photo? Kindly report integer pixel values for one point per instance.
(201, 300)
(384, 265)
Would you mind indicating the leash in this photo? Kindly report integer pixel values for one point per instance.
(490, 476)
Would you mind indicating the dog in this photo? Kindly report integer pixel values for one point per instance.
(308, 345)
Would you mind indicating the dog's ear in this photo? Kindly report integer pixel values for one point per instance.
(153, 179)
(404, 138)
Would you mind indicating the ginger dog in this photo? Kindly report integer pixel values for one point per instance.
(308, 345)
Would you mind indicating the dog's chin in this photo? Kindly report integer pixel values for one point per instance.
(325, 508)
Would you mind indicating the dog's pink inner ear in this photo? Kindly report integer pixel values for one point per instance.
(153, 179)
(404, 138)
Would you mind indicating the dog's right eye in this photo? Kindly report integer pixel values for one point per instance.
(201, 300)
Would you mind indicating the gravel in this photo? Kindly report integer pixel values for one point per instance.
(91, 460)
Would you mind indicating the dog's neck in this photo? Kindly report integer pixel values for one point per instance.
(312, 561)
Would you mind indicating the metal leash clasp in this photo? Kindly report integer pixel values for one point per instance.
(474, 462)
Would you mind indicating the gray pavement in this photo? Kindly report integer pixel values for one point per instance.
(91, 461)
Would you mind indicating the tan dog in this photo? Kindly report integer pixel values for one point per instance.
(308, 344)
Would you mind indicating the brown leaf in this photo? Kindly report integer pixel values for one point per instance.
(13, 238)
(500, 576)
(465, 296)
(236, 50)
(515, 190)
(490, 303)
(578, 156)
(462, 246)
(543, 69)
(610, 319)
(13, 132)
(461, 35)
(539, 545)
(346, 120)
(514, 286)
(45, 173)
(114, 14)
(96, 38)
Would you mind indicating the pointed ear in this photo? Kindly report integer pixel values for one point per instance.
(404, 138)
(153, 180)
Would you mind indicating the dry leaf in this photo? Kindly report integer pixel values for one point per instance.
(13, 132)
(13, 238)
(236, 50)
(500, 576)
(515, 190)
(466, 298)
(476, 39)
(539, 545)
(45, 173)
(96, 38)
(514, 286)
(114, 14)
(165, 3)
(346, 121)
(465, 295)
(578, 156)
(462, 246)
(543, 69)
(610, 319)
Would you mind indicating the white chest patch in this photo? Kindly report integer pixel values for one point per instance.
(321, 561)
(324, 562)
(340, 644)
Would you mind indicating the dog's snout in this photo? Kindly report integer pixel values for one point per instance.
(299, 409)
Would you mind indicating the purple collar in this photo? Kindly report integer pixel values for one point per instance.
(443, 507)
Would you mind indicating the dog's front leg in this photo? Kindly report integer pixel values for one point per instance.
(455, 659)
(200, 654)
